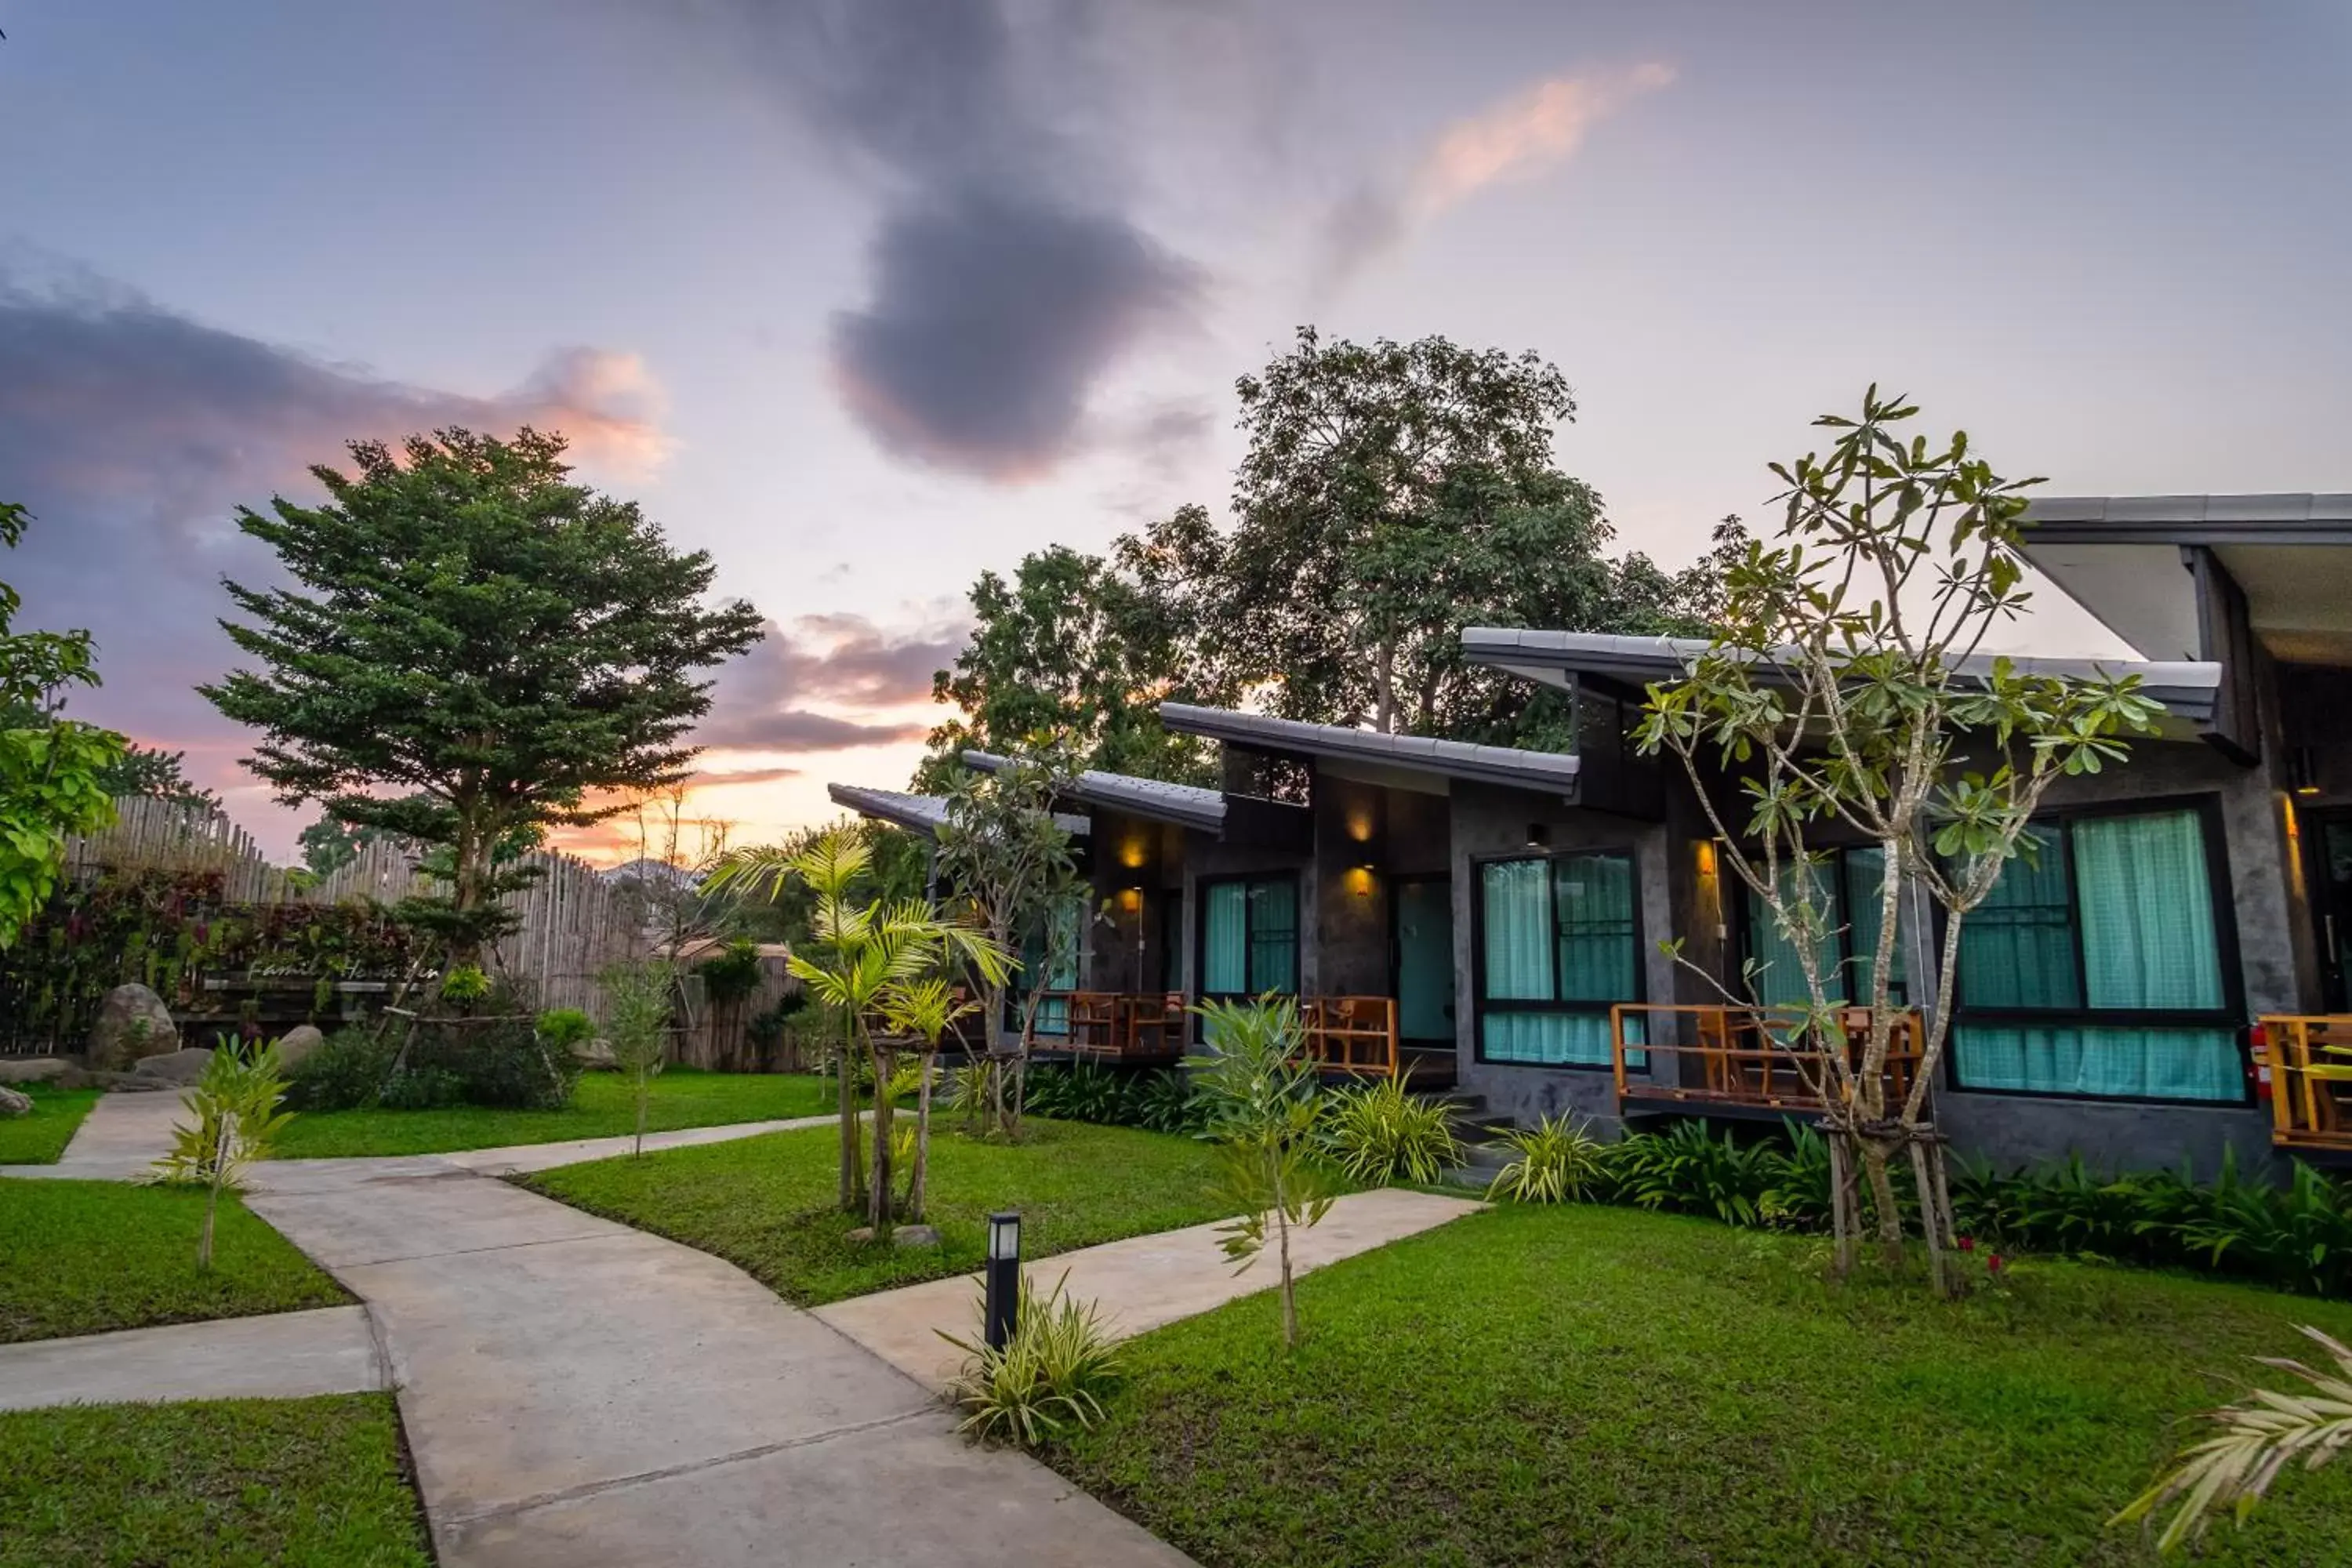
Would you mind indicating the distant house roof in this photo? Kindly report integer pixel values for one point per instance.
(2285, 519)
(2123, 559)
(923, 814)
(2186, 690)
(1546, 771)
(1153, 799)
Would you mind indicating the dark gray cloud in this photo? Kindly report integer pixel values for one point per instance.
(132, 433)
(1008, 273)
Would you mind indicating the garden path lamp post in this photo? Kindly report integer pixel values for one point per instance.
(1001, 1304)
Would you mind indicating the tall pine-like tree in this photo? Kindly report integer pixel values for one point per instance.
(472, 648)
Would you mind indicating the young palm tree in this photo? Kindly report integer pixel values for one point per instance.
(923, 1011)
(865, 957)
(2261, 1434)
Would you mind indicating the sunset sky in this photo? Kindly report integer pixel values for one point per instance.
(864, 297)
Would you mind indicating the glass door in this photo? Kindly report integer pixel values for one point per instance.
(2330, 836)
(1424, 961)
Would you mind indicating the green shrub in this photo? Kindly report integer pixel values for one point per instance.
(346, 1072)
(564, 1028)
(464, 984)
(1166, 1101)
(1050, 1379)
(1081, 1091)
(1380, 1134)
(1557, 1160)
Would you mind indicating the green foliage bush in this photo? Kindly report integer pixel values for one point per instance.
(1161, 1101)
(1050, 1379)
(564, 1028)
(1379, 1132)
(2296, 1238)
(1557, 1160)
(499, 1059)
(346, 1072)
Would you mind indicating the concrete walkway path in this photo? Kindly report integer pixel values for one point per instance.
(1138, 1284)
(124, 1135)
(577, 1393)
(282, 1355)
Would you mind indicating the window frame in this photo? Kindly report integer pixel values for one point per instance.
(1480, 1002)
(2230, 1016)
(1750, 913)
(1201, 886)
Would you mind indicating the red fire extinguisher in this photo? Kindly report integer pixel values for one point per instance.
(2259, 1038)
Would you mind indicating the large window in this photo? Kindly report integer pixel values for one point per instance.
(1847, 886)
(1249, 936)
(1559, 946)
(1055, 972)
(2095, 967)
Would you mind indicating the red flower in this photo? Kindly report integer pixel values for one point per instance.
(1993, 1263)
(1968, 1244)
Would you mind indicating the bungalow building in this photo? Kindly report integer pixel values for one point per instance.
(2149, 989)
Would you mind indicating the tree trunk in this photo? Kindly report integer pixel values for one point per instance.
(922, 1142)
(645, 1094)
(466, 880)
(1843, 1219)
(205, 1239)
(1384, 689)
(852, 1184)
(878, 1184)
(1289, 1301)
(1882, 1198)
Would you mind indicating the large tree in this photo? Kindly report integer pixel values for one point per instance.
(1392, 494)
(472, 646)
(52, 769)
(1077, 652)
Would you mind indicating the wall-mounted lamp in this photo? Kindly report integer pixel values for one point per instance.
(2303, 771)
(1130, 898)
(1359, 881)
(1538, 836)
(1706, 849)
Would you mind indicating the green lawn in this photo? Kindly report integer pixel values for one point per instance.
(40, 1138)
(766, 1204)
(243, 1482)
(83, 1257)
(1598, 1386)
(603, 1105)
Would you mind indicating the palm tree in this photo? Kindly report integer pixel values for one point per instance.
(2261, 1434)
(923, 1011)
(866, 959)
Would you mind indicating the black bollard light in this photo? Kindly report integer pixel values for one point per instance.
(1002, 1308)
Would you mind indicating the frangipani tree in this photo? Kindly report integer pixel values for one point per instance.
(1845, 694)
(867, 962)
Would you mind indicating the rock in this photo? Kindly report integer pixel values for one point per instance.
(175, 1066)
(863, 1233)
(916, 1236)
(596, 1056)
(34, 1070)
(14, 1103)
(132, 1024)
(297, 1044)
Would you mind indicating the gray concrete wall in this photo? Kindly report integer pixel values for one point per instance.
(1488, 822)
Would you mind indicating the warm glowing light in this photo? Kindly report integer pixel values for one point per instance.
(1130, 898)
(1133, 853)
(1360, 825)
(1359, 881)
(1707, 858)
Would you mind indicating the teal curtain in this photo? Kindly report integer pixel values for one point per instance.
(2139, 1064)
(2017, 948)
(2147, 913)
(1274, 936)
(1865, 874)
(1224, 939)
(1518, 926)
(1594, 897)
(1547, 1039)
(1779, 975)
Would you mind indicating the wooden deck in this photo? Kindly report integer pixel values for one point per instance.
(2310, 1060)
(1738, 1058)
(1343, 1034)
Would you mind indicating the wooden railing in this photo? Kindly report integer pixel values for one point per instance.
(1351, 1034)
(1703, 1054)
(1114, 1025)
(2310, 1062)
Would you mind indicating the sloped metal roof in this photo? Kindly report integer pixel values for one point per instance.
(1549, 771)
(1153, 799)
(923, 814)
(2293, 518)
(2186, 690)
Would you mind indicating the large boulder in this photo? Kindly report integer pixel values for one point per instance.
(14, 1103)
(294, 1045)
(132, 1024)
(175, 1066)
(34, 1070)
(596, 1056)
